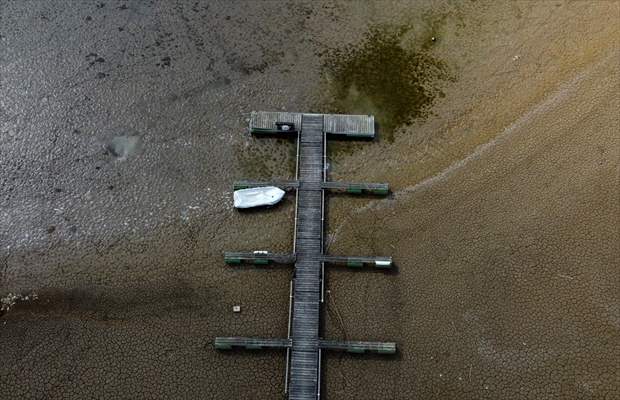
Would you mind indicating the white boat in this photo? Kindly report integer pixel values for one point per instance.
(258, 196)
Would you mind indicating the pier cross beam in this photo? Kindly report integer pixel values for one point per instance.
(304, 344)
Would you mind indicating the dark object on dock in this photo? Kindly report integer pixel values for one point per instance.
(304, 344)
(285, 127)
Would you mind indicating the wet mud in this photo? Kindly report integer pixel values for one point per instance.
(387, 75)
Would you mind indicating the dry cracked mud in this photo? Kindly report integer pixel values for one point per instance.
(121, 131)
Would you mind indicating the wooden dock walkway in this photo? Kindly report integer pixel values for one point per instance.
(304, 343)
(304, 366)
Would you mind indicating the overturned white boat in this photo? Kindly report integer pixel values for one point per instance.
(258, 196)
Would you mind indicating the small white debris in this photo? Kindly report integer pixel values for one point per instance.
(515, 58)
(184, 216)
(11, 299)
(237, 309)
(8, 301)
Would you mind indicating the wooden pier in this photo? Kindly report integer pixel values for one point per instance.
(258, 258)
(230, 343)
(304, 343)
(348, 187)
(266, 258)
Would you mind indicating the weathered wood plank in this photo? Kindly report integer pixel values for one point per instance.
(228, 343)
(359, 347)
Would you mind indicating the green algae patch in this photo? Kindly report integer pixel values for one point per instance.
(386, 75)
